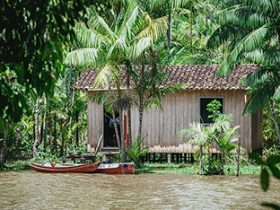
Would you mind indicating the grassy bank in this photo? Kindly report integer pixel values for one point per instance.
(171, 168)
(17, 165)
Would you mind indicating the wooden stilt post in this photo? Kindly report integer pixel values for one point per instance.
(168, 158)
(200, 160)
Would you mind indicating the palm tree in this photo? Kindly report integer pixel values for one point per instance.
(251, 31)
(264, 90)
(224, 135)
(199, 135)
(107, 47)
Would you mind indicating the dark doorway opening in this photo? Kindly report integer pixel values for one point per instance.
(110, 139)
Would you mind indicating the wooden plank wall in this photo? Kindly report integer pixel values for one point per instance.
(160, 126)
(257, 137)
(95, 124)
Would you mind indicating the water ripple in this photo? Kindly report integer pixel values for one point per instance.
(32, 190)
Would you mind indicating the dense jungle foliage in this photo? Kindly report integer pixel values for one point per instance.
(45, 46)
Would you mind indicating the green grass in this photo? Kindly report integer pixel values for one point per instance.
(17, 165)
(167, 168)
(172, 168)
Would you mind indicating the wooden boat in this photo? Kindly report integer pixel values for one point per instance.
(116, 168)
(65, 168)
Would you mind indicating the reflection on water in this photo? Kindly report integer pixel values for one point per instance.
(33, 190)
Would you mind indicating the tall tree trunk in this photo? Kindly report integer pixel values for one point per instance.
(117, 132)
(44, 126)
(70, 140)
(37, 132)
(62, 139)
(77, 129)
(273, 118)
(129, 137)
(141, 110)
(153, 63)
(141, 101)
(123, 153)
(51, 134)
(54, 146)
(129, 69)
(200, 160)
(3, 145)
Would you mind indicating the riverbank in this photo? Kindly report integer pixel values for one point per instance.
(191, 169)
(156, 168)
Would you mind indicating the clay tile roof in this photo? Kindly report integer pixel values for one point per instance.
(196, 77)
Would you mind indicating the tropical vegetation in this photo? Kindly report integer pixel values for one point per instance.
(220, 132)
(45, 46)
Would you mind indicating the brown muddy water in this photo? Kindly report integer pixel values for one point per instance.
(34, 190)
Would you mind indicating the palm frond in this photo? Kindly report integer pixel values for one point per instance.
(256, 56)
(249, 43)
(134, 51)
(82, 57)
(104, 78)
(88, 37)
(264, 6)
(259, 75)
(241, 16)
(127, 23)
(256, 102)
(153, 27)
(221, 35)
(102, 23)
(196, 133)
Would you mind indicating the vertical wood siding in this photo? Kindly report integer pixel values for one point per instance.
(160, 126)
(95, 123)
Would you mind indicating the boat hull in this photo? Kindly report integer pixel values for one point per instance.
(116, 168)
(78, 168)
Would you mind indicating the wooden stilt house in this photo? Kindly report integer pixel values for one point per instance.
(179, 109)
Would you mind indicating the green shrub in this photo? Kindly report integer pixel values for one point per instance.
(136, 151)
(17, 165)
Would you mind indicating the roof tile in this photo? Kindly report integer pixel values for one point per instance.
(194, 76)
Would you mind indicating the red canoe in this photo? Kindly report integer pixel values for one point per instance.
(116, 168)
(74, 168)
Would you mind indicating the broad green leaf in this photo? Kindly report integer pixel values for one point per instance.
(257, 158)
(275, 171)
(273, 160)
(264, 179)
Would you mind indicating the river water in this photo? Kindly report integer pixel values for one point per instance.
(33, 190)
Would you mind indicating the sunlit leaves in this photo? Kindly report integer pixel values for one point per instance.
(82, 57)
(135, 50)
(154, 28)
(196, 132)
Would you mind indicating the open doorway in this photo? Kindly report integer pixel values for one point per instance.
(204, 113)
(110, 139)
